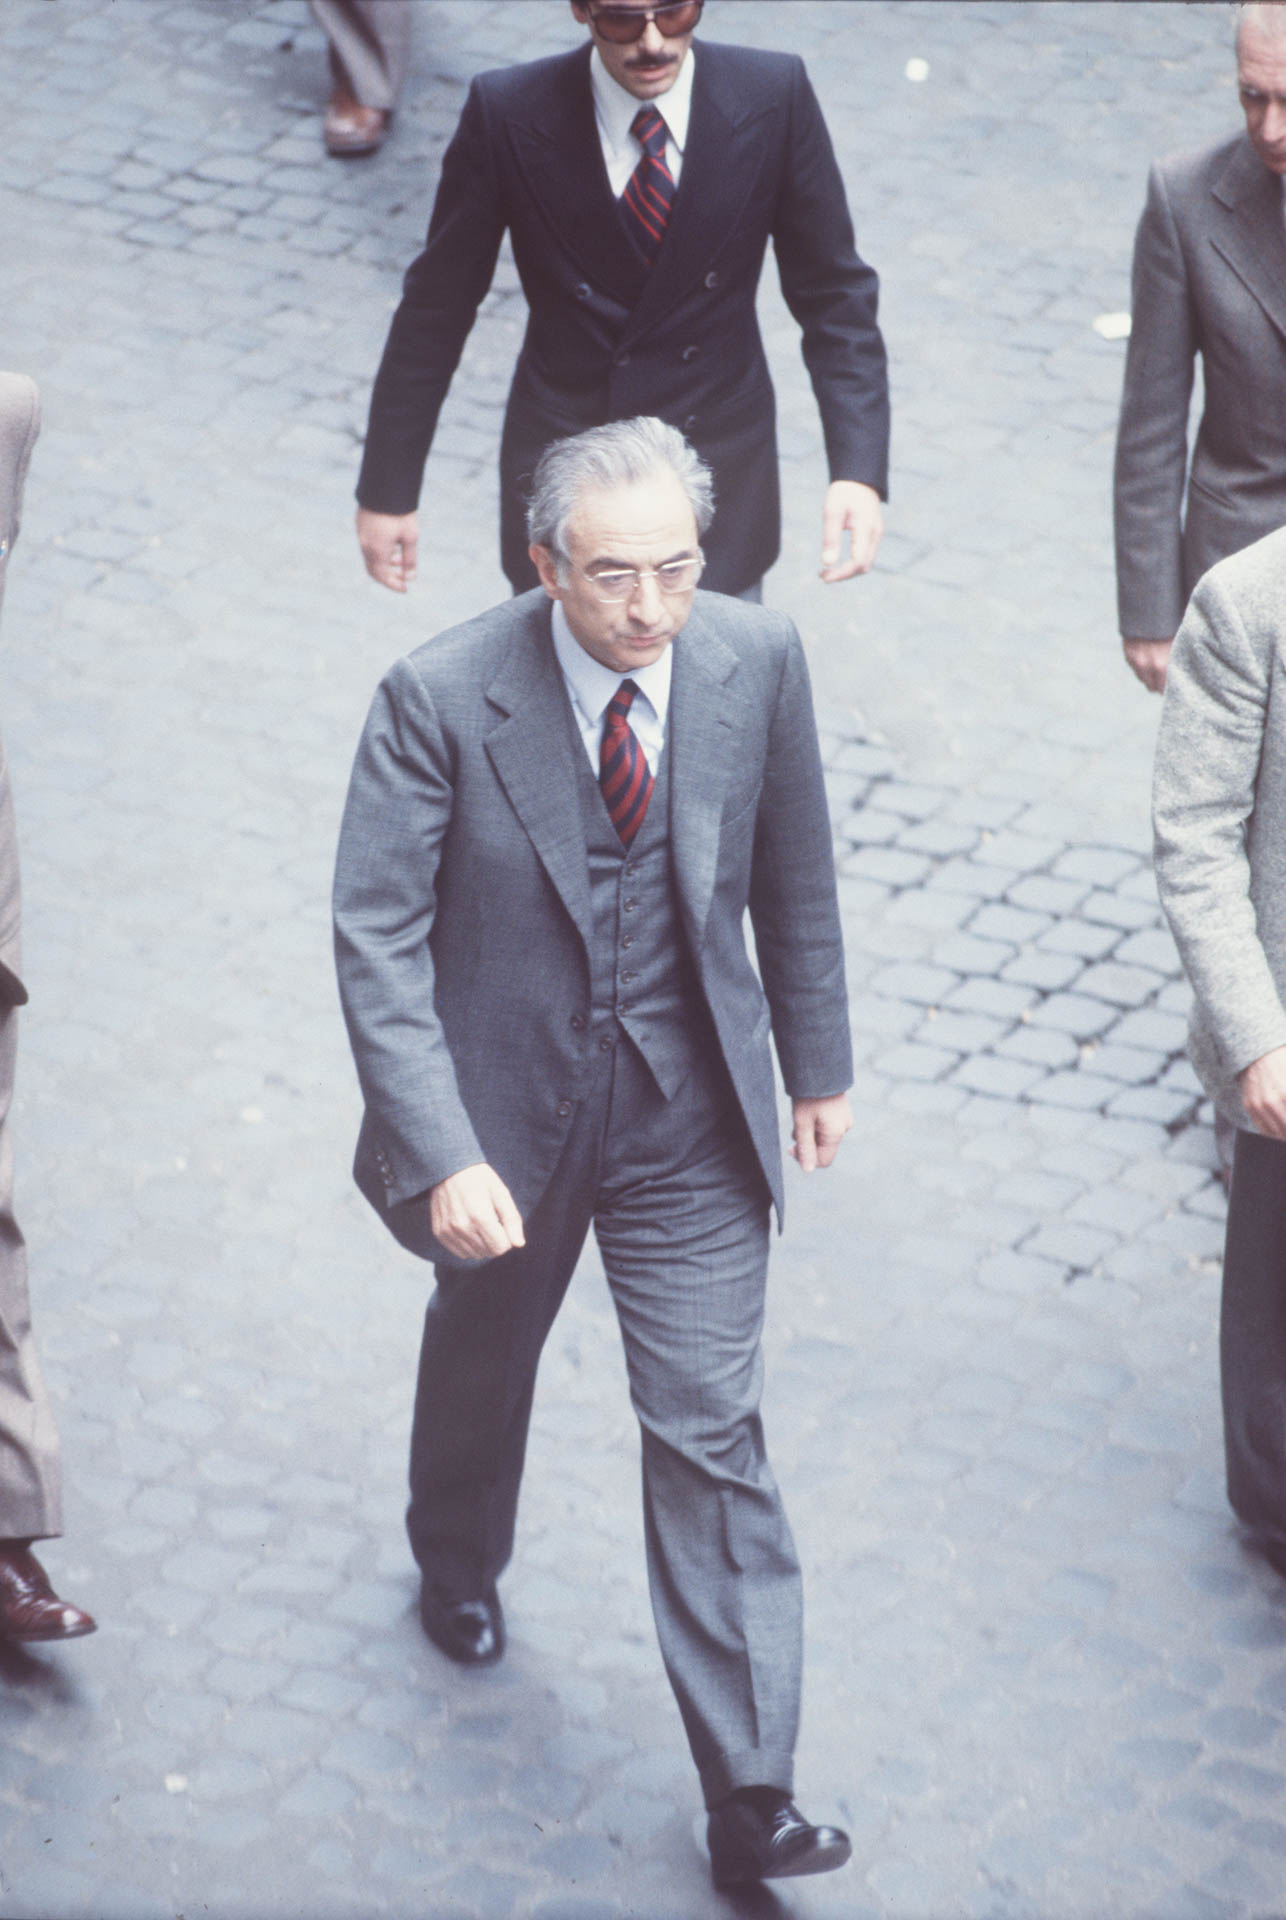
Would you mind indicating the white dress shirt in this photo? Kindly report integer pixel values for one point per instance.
(591, 686)
(614, 109)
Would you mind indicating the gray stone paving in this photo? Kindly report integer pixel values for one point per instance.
(1044, 1679)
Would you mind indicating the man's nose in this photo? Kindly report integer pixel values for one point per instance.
(652, 40)
(645, 601)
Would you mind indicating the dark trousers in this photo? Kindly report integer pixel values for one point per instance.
(1252, 1337)
(679, 1208)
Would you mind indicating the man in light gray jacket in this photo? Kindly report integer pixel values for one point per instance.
(1220, 819)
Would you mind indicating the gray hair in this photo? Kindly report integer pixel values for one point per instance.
(615, 455)
(1265, 16)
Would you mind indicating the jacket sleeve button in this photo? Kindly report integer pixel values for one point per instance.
(712, 279)
(582, 289)
(689, 353)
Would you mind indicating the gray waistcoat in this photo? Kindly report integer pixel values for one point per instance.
(642, 974)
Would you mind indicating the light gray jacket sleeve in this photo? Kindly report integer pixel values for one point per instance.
(1207, 785)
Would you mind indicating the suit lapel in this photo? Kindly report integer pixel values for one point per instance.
(703, 734)
(722, 163)
(531, 749)
(1253, 240)
(560, 155)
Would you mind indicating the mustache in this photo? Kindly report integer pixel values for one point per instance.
(651, 62)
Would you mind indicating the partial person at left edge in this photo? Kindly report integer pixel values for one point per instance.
(369, 45)
(30, 1468)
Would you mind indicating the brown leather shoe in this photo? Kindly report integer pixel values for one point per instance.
(29, 1607)
(350, 128)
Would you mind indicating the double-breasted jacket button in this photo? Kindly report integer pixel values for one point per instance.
(712, 279)
(627, 976)
(578, 1023)
(689, 353)
(563, 1108)
(627, 939)
(605, 1043)
(582, 289)
(630, 904)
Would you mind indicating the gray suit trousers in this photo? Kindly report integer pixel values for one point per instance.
(680, 1209)
(370, 46)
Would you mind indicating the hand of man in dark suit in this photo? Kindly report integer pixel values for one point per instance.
(388, 542)
(854, 508)
(819, 1126)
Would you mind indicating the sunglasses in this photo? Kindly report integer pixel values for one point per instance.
(623, 24)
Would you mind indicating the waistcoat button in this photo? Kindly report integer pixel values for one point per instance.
(563, 1108)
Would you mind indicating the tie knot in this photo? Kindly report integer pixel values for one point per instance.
(622, 700)
(649, 130)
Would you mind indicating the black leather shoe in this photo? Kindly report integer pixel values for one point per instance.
(752, 1838)
(470, 1631)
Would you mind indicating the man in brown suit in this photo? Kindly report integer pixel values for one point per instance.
(1209, 279)
(30, 1481)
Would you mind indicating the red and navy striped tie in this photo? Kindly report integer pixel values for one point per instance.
(623, 771)
(649, 191)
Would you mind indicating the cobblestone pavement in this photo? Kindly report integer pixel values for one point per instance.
(1044, 1678)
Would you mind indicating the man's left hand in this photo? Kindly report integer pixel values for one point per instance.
(1262, 1086)
(819, 1126)
(854, 508)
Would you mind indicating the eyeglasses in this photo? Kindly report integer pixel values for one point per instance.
(623, 24)
(617, 584)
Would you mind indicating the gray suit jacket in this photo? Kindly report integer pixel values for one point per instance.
(1219, 809)
(462, 912)
(1209, 279)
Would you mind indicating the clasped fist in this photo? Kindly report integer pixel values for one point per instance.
(1262, 1086)
(473, 1215)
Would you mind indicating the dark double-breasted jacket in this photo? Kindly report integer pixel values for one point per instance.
(608, 337)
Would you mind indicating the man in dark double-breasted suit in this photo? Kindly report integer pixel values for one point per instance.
(623, 320)
(558, 817)
(1209, 280)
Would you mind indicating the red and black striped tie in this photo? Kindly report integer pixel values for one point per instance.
(623, 771)
(649, 191)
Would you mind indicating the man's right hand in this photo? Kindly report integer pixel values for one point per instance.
(473, 1215)
(388, 542)
(1262, 1086)
(1149, 659)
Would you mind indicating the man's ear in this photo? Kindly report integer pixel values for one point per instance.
(581, 11)
(547, 567)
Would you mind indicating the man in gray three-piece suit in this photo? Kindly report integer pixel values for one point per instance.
(1220, 814)
(1209, 279)
(30, 1478)
(558, 816)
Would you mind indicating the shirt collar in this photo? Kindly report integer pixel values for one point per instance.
(616, 108)
(593, 685)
